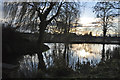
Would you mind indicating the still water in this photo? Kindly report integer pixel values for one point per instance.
(65, 53)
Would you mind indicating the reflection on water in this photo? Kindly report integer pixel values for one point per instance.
(29, 65)
(87, 52)
(70, 53)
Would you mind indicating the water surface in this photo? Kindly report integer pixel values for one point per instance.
(70, 54)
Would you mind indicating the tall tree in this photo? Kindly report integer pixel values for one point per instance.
(34, 15)
(69, 14)
(28, 14)
(106, 13)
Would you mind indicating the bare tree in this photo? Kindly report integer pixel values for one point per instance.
(34, 15)
(69, 14)
(106, 13)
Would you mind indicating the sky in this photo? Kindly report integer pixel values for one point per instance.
(87, 15)
(88, 10)
(0, 8)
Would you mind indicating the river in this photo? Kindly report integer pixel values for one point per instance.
(66, 54)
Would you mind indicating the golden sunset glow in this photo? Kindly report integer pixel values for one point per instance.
(86, 21)
(83, 53)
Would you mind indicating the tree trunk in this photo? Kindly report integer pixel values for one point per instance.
(42, 27)
(103, 53)
(69, 26)
(104, 34)
(67, 55)
(104, 37)
(64, 54)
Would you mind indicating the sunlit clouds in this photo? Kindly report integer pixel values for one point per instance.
(86, 21)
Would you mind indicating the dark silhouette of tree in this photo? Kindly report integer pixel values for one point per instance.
(69, 14)
(33, 15)
(116, 5)
(36, 16)
(106, 13)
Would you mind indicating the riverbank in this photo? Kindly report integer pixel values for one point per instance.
(72, 38)
(15, 45)
(109, 68)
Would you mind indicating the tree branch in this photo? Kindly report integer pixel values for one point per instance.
(55, 14)
(45, 14)
(34, 7)
(114, 6)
